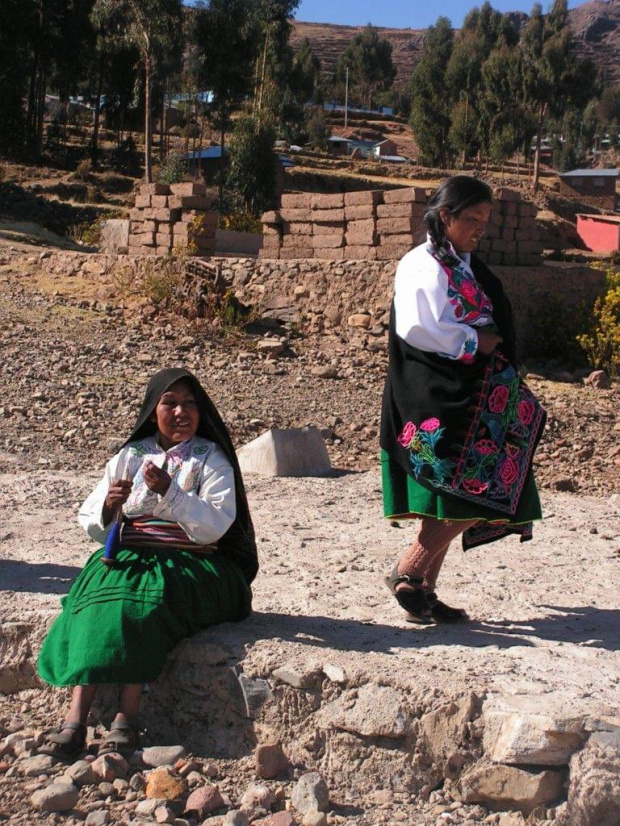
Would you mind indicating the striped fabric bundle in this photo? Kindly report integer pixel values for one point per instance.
(150, 532)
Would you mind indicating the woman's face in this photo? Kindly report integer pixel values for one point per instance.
(176, 415)
(465, 230)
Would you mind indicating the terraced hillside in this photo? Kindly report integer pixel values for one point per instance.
(595, 25)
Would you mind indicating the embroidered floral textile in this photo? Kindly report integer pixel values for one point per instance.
(491, 464)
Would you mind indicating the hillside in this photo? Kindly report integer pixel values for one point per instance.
(595, 25)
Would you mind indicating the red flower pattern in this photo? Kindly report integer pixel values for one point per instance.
(498, 399)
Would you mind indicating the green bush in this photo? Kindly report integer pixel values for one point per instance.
(602, 343)
(173, 169)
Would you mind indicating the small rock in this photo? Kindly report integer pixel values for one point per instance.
(359, 320)
(270, 760)
(564, 483)
(204, 800)
(335, 673)
(295, 678)
(156, 756)
(164, 784)
(39, 764)
(109, 767)
(97, 818)
(164, 814)
(314, 818)
(598, 379)
(235, 817)
(81, 773)
(257, 797)
(59, 797)
(310, 793)
(325, 372)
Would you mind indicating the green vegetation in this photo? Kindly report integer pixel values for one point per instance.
(602, 344)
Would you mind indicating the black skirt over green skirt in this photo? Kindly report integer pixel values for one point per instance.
(404, 497)
(119, 624)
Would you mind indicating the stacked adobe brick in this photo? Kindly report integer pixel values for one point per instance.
(381, 225)
(166, 216)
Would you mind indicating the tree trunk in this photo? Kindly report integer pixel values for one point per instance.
(262, 78)
(221, 170)
(148, 173)
(94, 150)
(539, 128)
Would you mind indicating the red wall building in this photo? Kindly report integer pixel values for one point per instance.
(600, 233)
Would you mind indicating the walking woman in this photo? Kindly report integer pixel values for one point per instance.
(459, 427)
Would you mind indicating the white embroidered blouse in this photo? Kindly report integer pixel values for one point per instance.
(437, 307)
(200, 498)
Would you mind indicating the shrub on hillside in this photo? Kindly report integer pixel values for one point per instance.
(602, 343)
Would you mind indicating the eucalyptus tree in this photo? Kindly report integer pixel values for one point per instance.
(431, 101)
(152, 26)
(369, 60)
(553, 77)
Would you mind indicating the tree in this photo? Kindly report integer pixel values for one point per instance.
(306, 74)
(253, 164)
(13, 74)
(272, 20)
(431, 102)
(225, 35)
(369, 60)
(609, 111)
(151, 26)
(553, 78)
(318, 131)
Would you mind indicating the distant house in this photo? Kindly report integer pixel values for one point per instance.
(600, 233)
(386, 147)
(338, 146)
(591, 186)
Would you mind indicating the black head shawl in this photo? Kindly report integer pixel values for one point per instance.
(239, 541)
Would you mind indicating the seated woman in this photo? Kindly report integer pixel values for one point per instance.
(184, 561)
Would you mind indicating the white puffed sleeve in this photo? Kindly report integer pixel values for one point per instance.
(90, 515)
(206, 515)
(424, 316)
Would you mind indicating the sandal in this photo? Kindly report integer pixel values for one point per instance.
(414, 602)
(445, 613)
(123, 738)
(65, 742)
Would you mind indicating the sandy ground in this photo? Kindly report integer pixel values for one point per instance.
(545, 615)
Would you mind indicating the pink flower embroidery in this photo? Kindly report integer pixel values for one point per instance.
(430, 425)
(469, 291)
(525, 412)
(498, 399)
(474, 486)
(486, 447)
(508, 471)
(407, 435)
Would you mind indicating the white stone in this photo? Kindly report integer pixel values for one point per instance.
(530, 731)
(293, 452)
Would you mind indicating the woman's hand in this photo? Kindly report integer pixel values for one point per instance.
(118, 493)
(488, 341)
(156, 479)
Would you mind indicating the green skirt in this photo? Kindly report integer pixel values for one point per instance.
(404, 497)
(119, 624)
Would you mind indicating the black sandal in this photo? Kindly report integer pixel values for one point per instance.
(123, 738)
(445, 613)
(415, 602)
(65, 742)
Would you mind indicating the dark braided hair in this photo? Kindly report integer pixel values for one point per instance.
(454, 195)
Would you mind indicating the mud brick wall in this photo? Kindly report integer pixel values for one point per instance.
(384, 225)
(171, 215)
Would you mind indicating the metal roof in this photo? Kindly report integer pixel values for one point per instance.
(590, 173)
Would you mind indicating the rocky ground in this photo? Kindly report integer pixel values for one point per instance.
(76, 363)
(74, 366)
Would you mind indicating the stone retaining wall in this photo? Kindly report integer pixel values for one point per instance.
(348, 297)
(384, 225)
(167, 216)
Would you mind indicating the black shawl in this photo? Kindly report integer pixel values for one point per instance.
(239, 541)
(448, 400)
